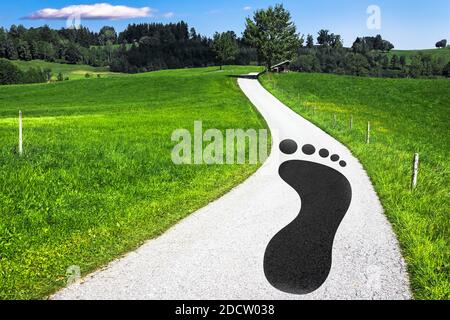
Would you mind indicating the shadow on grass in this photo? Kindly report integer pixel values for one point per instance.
(247, 76)
(243, 76)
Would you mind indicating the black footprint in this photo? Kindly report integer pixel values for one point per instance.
(298, 259)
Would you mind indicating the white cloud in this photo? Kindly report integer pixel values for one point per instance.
(96, 11)
(247, 8)
(168, 15)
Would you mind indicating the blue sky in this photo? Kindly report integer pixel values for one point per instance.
(408, 24)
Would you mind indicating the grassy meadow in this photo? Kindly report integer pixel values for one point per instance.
(96, 179)
(72, 71)
(443, 53)
(407, 116)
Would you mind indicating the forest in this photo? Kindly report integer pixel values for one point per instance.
(139, 48)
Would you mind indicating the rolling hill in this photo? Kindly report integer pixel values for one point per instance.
(72, 71)
(435, 53)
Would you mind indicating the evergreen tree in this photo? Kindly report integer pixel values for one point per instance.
(310, 41)
(225, 47)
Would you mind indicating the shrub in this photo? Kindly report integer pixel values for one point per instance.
(34, 75)
(9, 73)
(48, 74)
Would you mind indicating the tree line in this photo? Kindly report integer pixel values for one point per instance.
(270, 37)
(66, 45)
(274, 35)
(368, 56)
(139, 48)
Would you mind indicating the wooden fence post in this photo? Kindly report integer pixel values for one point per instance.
(368, 132)
(415, 173)
(20, 134)
(351, 122)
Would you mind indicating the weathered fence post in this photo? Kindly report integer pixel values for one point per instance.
(415, 173)
(351, 122)
(20, 134)
(368, 132)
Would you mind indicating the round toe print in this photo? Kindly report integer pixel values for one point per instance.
(335, 158)
(298, 259)
(324, 153)
(309, 149)
(288, 146)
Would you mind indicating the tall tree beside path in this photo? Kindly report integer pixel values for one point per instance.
(225, 47)
(273, 34)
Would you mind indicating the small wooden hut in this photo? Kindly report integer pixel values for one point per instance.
(281, 67)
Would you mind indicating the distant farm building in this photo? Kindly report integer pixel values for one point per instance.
(281, 67)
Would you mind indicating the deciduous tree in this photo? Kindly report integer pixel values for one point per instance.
(441, 44)
(274, 35)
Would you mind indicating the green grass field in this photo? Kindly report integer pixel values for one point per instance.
(73, 71)
(97, 179)
(443, 53)
(407, 116)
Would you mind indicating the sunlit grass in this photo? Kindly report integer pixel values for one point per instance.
(71, 71)
(96, 178)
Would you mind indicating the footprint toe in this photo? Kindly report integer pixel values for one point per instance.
(324, 153)
(335, 158)
(288, 146)
(309, 149)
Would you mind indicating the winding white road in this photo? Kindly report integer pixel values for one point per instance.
(217, 252)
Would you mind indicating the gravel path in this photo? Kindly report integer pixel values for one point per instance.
(218, 252)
